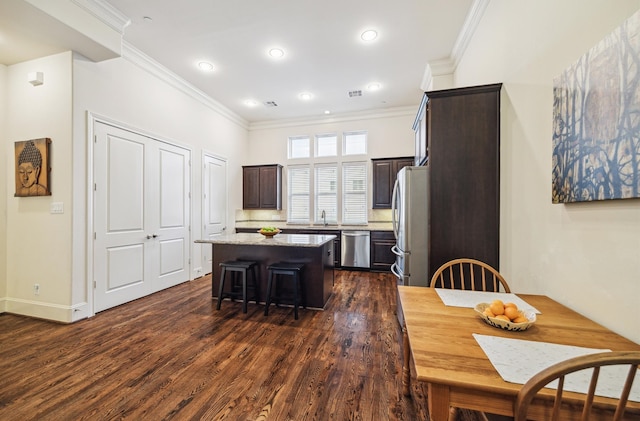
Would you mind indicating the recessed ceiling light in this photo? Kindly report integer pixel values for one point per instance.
(250, 103)
(369, 35)
(305, 96)
(276, 52)
(374, 86)
(327, 112)
(205, 66)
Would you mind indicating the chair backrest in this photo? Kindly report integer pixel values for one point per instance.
(560, 370)
(468, 274)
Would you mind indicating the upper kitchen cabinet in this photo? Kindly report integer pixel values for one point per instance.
(385, 171)
(420, 127)
(463, 140)
(262, 187)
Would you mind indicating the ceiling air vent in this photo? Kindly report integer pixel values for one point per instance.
(270, 104)
(355, 93)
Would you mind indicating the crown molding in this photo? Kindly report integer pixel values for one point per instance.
(106, 13)
(336, 118)
(468, 29)
(448, 65)
(145, 62)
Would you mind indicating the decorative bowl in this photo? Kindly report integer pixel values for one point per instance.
(269, 234)
(503, 324)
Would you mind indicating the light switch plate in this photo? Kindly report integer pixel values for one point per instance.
(57, 207)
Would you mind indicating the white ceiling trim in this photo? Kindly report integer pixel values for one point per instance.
(337, 118)
(468, 29)
(145, 62)
(106, 13)
(448, 66)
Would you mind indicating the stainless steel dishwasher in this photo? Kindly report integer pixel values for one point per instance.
(355, 249)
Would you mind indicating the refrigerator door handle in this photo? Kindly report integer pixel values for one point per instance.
(395, 250)
(394, 209)
(395, 271)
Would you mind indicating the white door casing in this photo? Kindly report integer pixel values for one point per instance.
(141, 215)
(214, 203)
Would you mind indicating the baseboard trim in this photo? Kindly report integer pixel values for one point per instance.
(47, 311)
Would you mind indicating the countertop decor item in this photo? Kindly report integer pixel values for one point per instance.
(503, 324)
(269, 232)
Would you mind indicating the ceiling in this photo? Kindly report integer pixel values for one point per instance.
(324, 54)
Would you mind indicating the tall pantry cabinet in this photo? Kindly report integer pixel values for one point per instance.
(459, 130)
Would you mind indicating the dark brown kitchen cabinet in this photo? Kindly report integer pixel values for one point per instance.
(384, 172)
(381, 255)
(262, 187)
(463, 143)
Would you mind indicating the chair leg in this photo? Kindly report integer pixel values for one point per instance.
(221, 287)
(244, 291)
(296, 281)
(453, 413)
(256, 285)
(268, 298)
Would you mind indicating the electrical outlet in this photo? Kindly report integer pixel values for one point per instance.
(36, 289)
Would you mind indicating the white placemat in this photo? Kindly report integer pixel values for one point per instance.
(517, 360)
(461, 298)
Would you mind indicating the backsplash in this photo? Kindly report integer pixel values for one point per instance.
(245, 215)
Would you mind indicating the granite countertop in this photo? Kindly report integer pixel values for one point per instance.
(371, 226)
(291, 240)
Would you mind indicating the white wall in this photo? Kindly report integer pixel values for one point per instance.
(4, 163)
(38, 245)
(125, 93)
(583, 255)
(390, 134)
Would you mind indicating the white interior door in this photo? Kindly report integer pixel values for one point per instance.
(141, 216)
(172, 230)
(215, 203)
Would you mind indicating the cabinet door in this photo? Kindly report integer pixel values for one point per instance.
(251, 187)
(269, 190)
(385, 172)
(383, 179)
(381, 255)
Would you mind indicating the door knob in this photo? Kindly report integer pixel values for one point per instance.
(149, 237)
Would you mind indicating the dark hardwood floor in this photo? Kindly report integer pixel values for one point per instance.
(173, 356)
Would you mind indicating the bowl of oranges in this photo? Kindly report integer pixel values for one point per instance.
(269, 231)
(506, 316)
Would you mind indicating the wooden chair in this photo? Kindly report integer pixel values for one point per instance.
(586, 402)
(468, 274)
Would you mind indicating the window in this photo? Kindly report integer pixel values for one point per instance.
(326, 193)
(299, 147)
(354, 143)
(326, 178)
(326, 145)
(298, 203)
(354, 193)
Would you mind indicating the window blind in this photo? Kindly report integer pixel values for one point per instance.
(298, 203)
(354, 193)
(326, 193)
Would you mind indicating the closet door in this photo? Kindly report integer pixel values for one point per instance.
(141, 216)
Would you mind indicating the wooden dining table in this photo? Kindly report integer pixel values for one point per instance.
(440, 348)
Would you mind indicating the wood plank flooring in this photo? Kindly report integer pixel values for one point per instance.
(173, 356)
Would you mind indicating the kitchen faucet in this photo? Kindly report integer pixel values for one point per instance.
(323, 215)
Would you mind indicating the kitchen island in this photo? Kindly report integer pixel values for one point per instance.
(315, 251)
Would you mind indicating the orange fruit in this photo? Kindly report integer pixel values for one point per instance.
(503, 317)
(520, 319)
(487, 312)
(510, 305)
(511, 312)
(497, 307)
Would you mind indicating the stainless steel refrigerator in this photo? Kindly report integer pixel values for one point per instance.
(410, 226)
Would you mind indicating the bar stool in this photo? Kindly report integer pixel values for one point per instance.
(293, 271)
(238, 289)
